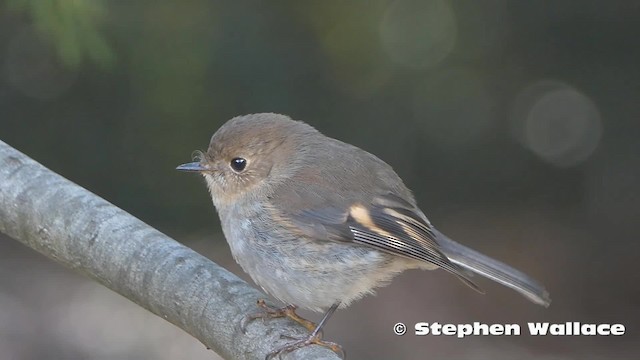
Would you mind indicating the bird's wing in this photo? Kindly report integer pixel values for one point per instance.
(386, 222)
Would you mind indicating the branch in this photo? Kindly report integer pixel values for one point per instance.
(84, 232)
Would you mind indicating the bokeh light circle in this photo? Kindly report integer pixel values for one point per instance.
(557, 122)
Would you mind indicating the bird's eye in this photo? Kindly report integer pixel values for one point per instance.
(238, 164)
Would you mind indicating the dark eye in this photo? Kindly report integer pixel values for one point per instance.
(238, 164)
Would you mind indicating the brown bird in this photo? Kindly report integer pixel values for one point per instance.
(319, 223)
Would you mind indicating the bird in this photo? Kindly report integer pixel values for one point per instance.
(318, 223)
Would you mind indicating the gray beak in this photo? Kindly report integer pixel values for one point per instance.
(192, 166)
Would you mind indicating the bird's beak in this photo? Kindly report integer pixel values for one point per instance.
(192, 166)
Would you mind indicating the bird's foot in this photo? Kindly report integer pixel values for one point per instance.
(271, 312)
(313, 339)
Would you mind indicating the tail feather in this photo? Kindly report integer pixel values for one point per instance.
(493, 269)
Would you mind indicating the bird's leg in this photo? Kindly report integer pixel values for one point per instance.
(314, 338)
(272, 312)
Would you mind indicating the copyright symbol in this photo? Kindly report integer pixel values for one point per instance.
(399, 329)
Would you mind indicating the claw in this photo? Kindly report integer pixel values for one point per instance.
(313, 339)
(271, 312)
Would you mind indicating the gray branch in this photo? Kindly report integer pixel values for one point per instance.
(84, 232)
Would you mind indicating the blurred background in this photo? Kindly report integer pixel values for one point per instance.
(515, 123)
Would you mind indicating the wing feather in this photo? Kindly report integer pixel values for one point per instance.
(387, 223)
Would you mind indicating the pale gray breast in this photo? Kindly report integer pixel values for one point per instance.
(302, 271)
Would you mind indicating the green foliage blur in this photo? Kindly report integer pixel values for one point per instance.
(72, 26)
